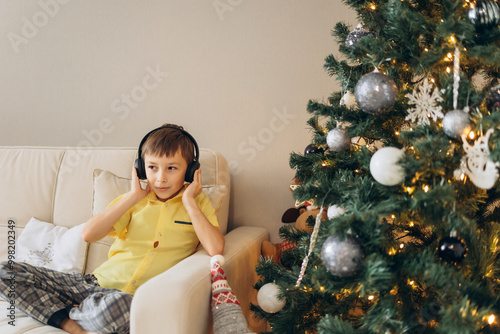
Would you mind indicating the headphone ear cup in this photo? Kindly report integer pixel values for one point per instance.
(141, 170)
(192, 167)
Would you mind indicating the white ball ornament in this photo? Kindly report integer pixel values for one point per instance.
(338, 140)
(268, 300)
(335, 211)
(384, 166)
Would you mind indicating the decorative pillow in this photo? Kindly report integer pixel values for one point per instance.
(108, 186)
(55, 247)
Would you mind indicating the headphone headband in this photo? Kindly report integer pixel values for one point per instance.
(184, 132)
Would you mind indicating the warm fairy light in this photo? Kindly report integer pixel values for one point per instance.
(393, 216)
(452, 39)
(371, 297)
(411, 282)
(391, 251)
(401, 246)
(426, 50)
(321, 288)
(471, 135)
(462, 177)
(411, 224)
(433, 81)
(373, 6)
(491, 319)
(397, 133)
(426, 188)
(448, 70)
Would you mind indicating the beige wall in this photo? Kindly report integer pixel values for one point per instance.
(237, 74)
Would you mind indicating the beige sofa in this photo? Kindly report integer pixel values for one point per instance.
(65, 186)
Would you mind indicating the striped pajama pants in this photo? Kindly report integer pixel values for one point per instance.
(51, 296)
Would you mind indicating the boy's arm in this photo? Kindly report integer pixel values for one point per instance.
(210, 236)
(101, 224)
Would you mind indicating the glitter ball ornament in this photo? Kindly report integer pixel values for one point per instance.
(268, 300)
(451, 249)
(375, 93)
(456, 123)
(354, 36)
(342, 257)
(313, 149)
(338, 140)
(485, 14)
(493, 98)
(384, 166)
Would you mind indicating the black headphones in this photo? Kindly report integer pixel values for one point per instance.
(192, 166)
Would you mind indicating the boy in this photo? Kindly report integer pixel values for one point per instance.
(155, 228)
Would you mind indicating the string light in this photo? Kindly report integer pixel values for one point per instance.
(491, 319)
(371, 297)
(426, 188)
(471, 135)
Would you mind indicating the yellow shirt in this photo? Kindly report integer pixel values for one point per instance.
(150, 237)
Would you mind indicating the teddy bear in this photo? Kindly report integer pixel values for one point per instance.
(297, 216)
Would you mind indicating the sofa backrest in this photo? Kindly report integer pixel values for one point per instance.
(57, 185)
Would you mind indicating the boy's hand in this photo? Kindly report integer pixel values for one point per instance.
(194, 188)
(136, 189)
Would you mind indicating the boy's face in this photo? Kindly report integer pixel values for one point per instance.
(165, 174)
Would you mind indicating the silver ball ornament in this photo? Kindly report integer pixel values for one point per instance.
(342, 257)
(456, 123)
(375, 93)
(354, 36)
(338, 140)
(268, 300)
(485, 14)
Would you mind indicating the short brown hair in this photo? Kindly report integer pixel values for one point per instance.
(167, 140)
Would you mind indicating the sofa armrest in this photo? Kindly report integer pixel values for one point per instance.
(178, 300)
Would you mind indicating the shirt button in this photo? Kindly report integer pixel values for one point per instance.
(159, 233)
(151, 254)
(133, 282)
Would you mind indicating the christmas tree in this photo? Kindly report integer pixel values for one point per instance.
(403, 165)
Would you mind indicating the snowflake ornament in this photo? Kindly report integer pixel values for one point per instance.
(425, 100)
(476, 163)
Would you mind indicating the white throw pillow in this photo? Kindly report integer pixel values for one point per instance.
(55, 247)
(108, 186)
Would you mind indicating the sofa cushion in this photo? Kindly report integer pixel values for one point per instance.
(55, 247)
